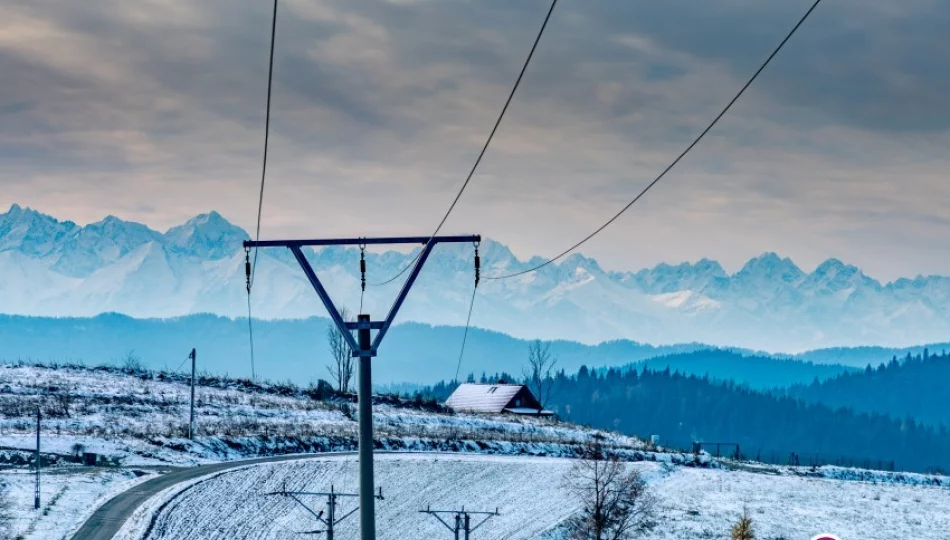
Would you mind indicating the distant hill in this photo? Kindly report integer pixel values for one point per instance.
(862, 356)
(413, 353)
(293, 350)
(756, 371)
(915, 386)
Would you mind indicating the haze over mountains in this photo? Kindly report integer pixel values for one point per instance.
(54, 268)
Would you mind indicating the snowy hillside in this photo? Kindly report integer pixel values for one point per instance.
(140, 419)
(54, 268)
(136, 421)
(693, 503)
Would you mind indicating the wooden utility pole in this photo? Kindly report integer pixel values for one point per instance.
(331, 520)
(462, 528)
(36, 490)
(191, 418)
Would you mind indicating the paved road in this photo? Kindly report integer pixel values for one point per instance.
(108, 519)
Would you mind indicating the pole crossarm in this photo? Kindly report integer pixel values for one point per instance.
(463, 520)
(438, 517)
(463, 511)
(420, 240)
(331, 520)
(345, 327)
(482, 522)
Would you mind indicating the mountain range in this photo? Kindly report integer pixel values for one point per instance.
(58, 268)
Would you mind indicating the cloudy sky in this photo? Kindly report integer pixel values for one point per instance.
(153, 110)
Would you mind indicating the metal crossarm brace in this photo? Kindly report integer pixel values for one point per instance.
(463, 521)
(345, 327)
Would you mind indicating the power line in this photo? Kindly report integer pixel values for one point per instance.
(675, 161)
(250, 334)
(252, 270)
(270, 80)
(187, 358)
(468, 322)
(488, 141)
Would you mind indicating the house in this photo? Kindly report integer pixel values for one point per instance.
(494, 398)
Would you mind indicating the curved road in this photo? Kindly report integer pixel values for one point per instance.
(106, 521)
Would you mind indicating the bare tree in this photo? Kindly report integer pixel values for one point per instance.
(539, 372)
(131, 362)
(63, 397)
(341, 365)
(616, 501)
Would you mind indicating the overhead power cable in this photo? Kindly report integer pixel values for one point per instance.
(675, 161)
(468, 322)
(488, 141)
(260, 202)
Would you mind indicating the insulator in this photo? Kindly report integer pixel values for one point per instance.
(247, 269)
(478, 267)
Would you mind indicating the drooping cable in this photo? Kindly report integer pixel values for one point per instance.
(488, 141)
(250, 336)
(270, 84)
(468, 322)
(187, 358)
(252, 270)
(471, 307)
(675, 161)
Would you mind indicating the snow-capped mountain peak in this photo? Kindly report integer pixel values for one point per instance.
(57, 268)
(206, 234)
(30, 232)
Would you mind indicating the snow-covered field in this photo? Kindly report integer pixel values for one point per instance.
(703, 503)
(235, 505)
(139, 420)
(693, 503)
(67, 497)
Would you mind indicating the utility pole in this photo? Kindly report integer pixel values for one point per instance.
(462, 528)
(366, 347)
(331, 520)
(365, 403)
(36, 490)
(191, 419)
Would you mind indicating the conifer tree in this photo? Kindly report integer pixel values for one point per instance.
(742, 530)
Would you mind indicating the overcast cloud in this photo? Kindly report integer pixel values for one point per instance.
(154, 110)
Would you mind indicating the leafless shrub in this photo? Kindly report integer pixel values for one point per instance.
(539, 372)
(616, 500)
(131, 362)
(341, 365)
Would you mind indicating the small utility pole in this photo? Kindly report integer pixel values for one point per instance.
(36, 491)
(462, 529)
(331, 520)
(191, 419)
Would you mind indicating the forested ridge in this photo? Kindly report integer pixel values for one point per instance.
(684, 408)
(916, 386)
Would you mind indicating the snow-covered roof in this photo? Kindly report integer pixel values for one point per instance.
(484, 398)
